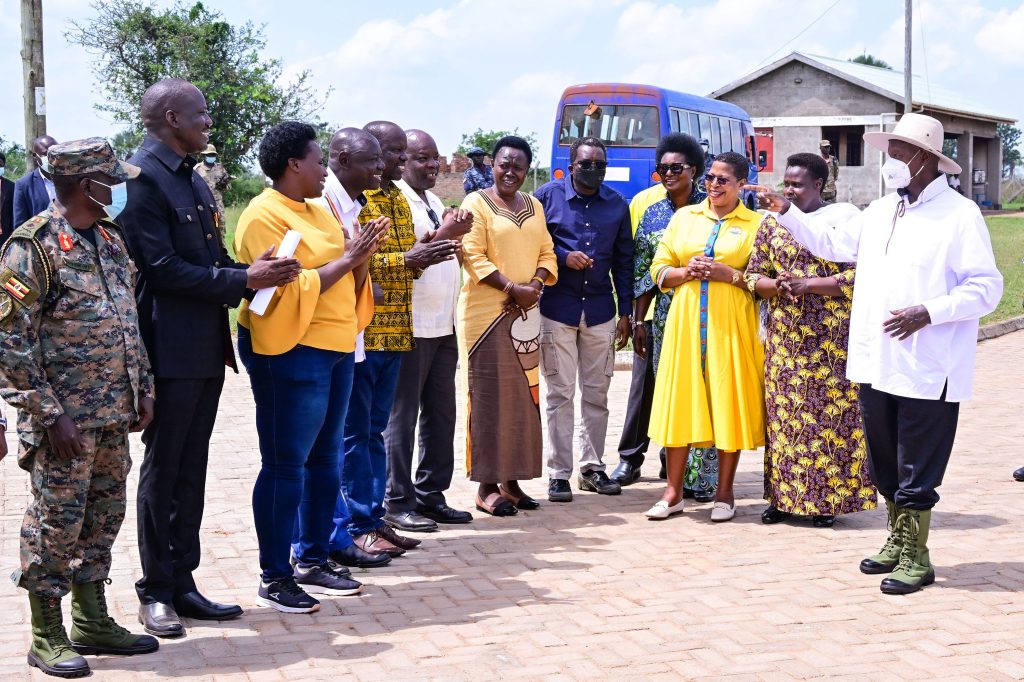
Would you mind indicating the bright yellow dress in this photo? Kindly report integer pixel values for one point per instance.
(725, 406)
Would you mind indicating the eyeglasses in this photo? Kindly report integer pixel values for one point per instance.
(587, 164)
(712, 179)
(664, 169)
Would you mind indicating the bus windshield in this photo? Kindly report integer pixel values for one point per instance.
(617, 125)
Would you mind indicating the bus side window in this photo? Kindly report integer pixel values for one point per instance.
(716, 136)
(705, 127)
(694, 124)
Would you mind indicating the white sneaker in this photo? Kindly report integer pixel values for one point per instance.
(723, 512)
(662, 510)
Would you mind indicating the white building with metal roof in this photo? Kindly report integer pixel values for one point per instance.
(801, 99)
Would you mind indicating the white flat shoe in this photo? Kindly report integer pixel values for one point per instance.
(662, 510)
(723, 512)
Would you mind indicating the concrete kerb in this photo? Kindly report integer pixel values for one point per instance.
(624, 358)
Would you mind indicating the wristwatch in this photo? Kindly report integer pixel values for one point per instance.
(736, 276)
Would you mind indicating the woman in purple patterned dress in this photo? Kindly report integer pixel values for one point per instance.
(815, 461)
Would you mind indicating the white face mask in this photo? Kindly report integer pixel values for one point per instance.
(2, 169)
(896, 173)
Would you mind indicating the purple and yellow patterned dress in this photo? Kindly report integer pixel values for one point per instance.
(815, 461)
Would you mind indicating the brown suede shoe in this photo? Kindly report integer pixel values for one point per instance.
(374, 543)
(389, 534)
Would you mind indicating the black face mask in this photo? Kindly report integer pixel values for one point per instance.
(590, 179)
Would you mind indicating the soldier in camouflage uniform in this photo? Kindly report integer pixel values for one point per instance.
(73, 363)
(213, 173)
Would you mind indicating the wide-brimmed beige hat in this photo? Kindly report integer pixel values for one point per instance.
(921, 131)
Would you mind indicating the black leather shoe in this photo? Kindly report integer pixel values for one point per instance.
(160, 619)
(559, 490)
(1018, 475)
(196, 606)
(357, 558)
(410, 521)
(823, 521)
(625, 474)
(704, 496)
(598, 482)
(772, 515)
(442, 513)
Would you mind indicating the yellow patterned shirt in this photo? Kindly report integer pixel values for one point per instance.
(391, 327)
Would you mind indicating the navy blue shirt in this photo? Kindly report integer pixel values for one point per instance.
(598, 225)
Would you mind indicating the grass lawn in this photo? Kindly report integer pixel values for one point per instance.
(1008, 245)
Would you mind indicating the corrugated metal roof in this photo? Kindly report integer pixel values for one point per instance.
(886, 82)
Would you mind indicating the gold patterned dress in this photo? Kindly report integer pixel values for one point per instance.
(815, 458)
(501, 351)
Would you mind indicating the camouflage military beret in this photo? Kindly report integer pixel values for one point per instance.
(91, 155)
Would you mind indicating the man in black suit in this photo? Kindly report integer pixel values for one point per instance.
(33, 192)
(186, 284)
(6, 202)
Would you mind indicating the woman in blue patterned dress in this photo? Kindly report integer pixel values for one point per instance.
(680, 160)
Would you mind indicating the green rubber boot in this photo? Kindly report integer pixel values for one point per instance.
(51, 651)
(885, 561)
(93, 631)
(914, 569)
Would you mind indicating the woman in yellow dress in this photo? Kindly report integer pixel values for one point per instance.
(710, 384)
(508, 257)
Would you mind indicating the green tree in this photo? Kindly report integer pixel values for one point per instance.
(135, 44)
(127, 142)
(1010, 136)
(868, 60)
(15, 154)
(486, 140)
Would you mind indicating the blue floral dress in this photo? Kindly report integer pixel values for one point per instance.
(702, 468)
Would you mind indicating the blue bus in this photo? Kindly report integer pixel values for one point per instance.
(630, 119)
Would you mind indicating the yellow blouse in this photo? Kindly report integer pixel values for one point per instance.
(300, 313)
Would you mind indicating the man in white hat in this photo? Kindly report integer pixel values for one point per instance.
(925, 275)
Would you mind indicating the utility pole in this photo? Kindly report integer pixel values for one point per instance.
(35, 83)
(907, 74)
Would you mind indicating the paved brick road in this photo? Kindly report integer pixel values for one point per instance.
(593, 590)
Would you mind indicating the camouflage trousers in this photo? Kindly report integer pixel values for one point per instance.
(76, 511)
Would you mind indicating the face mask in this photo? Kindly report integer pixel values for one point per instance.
(589, 178)
(118, 199)
(211, 160)
(2, 172)
(897, 174)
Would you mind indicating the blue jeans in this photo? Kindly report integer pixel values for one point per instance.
(301, 400)
(364, 473)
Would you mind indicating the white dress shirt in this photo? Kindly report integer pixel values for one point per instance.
(436, 292)
(936, 253)
(346, 209)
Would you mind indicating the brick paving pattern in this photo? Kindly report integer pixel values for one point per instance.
(593, 590)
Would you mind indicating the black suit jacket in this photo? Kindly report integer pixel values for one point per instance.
(187, 281)
(30, 197)
(6, 209)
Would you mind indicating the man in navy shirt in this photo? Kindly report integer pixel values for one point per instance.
(589, 224)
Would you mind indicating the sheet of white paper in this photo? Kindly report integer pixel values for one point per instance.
(287, 248)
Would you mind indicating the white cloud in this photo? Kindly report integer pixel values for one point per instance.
(1000, 37)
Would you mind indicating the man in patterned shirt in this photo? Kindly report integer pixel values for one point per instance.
(392, 269)
(480, 175)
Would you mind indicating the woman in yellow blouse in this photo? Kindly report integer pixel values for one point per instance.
(710, 384)
(299, 356)
(508, 257)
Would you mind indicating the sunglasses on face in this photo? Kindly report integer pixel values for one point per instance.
(712, 179)
(664, 169)
(587, 164)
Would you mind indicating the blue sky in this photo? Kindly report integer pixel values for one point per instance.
(450, 67)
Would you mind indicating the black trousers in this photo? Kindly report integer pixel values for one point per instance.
(425, 395)
(172, 485)
(909, 441)
(634, 441)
